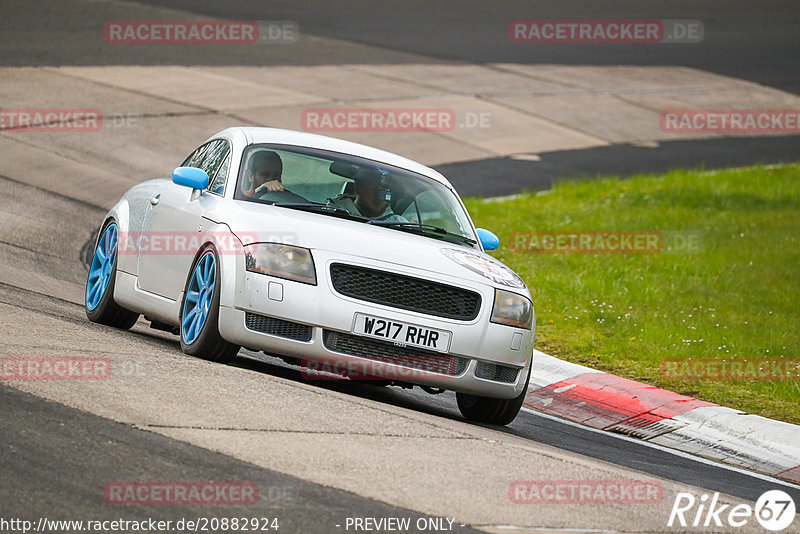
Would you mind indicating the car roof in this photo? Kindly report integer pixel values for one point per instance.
(258, 135)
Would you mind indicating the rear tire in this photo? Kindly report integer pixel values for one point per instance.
(199, 327)
(99, 295)
(492, 411)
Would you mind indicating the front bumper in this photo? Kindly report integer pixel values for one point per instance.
(477, 346)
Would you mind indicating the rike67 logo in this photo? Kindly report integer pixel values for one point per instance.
(774, 510)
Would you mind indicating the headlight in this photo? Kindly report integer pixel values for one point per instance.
(512, 309)
(283, 261)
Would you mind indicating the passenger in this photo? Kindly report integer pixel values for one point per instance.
(371, 200)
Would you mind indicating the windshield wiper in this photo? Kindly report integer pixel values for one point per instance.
(423, 229)
(321, 208)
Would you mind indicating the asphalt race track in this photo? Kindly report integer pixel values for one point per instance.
(319, 452)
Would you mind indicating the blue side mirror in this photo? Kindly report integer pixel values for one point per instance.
(488, 239)
(190, 177)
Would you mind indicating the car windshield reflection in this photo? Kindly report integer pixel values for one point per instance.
(346, 186)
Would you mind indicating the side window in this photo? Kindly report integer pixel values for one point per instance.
(196, 158)
(217, 184)
(214, 158)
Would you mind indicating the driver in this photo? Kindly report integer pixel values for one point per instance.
(264, 173)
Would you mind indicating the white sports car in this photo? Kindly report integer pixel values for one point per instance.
(338, 257)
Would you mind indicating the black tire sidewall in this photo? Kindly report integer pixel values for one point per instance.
(514, 405)
(492, 411)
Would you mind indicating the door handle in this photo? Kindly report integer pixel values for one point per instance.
(154, 199)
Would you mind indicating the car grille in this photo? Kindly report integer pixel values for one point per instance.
(497, 373)
(277, 327)
(405, 292)
(424, 360)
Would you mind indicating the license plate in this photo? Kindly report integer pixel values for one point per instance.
(400, 333)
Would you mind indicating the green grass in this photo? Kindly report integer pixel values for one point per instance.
(735, 296)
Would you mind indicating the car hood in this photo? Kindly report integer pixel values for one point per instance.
(253, 222)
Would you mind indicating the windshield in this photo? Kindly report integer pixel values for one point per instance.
(342, 185)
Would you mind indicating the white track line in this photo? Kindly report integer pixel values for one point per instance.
(675, 452)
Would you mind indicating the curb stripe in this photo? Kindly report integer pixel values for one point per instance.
(611, 403)
(792, 475)
(603, 400)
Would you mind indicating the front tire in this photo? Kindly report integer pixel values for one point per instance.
(492, 411)
(200, 312)
(99, 296)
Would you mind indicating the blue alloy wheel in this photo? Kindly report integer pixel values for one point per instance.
(99, 303)
(102, 267)
(199, 319)
(199, 296)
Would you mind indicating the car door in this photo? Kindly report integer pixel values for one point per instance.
(178, 221)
